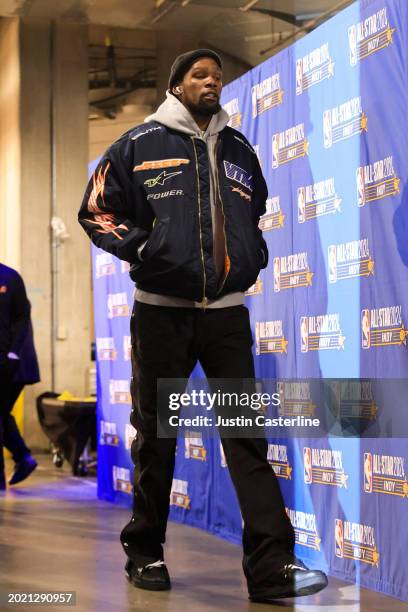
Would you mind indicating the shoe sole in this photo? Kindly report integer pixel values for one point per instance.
(309, 587)
(148, 587)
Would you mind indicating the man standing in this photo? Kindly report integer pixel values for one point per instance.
(180, 197)
(18, 366)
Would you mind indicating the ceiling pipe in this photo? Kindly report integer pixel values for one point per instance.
(162, 11)
(310, 25)
(248, 6)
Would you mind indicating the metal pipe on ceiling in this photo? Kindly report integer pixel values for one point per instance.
(310, 25)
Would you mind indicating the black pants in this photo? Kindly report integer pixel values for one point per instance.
(167, 342)
(10, 437)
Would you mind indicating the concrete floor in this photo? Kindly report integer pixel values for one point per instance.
(55, 535)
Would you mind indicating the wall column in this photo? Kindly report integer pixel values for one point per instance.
(43, 171)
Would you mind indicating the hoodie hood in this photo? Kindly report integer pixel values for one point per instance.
(173, 114)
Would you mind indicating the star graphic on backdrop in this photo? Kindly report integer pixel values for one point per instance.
(390, 32)
(376, 557)
(373, 410)
(311, 407)
(343, 480)
(309, 276)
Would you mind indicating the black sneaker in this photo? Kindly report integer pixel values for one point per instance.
(292, 580)
(23, 469)
(153, 576)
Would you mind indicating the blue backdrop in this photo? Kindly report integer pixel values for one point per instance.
(328, 119)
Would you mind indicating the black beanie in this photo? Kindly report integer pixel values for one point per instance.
(183, 62)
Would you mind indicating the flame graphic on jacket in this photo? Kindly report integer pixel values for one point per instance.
(104, 220)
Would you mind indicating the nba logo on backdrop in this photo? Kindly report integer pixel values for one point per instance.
(352, 36)
(332, 257)
(327, 129)
(276, 274)
(304, 335)
(299, 76)
(275, 150)
(338, 538)
(307, 465)
(365, 328)
(360, 187)
(301, 198)
(368, 472)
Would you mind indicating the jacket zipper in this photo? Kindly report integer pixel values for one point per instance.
(204, 301)
(223, 215)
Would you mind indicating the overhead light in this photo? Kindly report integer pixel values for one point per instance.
(159, 3)
(185, 2)
(248, 5)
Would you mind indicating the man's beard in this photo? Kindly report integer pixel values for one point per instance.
(205, 109)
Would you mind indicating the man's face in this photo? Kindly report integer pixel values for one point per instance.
(201, 87)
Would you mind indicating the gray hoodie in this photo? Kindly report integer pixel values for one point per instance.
(174, 114)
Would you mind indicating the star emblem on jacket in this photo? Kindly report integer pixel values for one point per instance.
(160, 178)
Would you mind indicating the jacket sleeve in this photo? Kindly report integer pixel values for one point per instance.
(111, 211)
(259, 196)
(20, 313)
